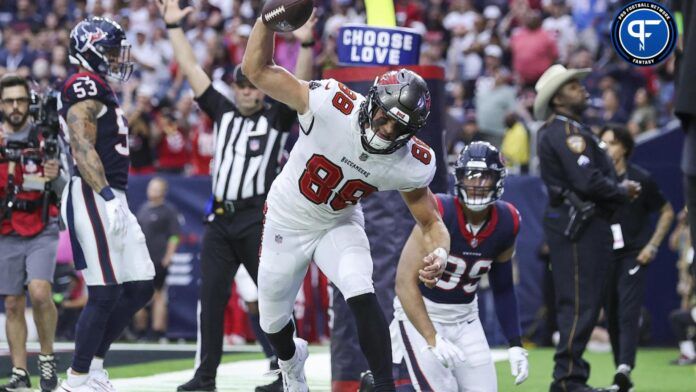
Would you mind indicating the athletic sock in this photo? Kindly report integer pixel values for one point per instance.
(373, 334)
(283, 342)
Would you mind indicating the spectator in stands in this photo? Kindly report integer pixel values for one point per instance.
(16, 57)
(160, 223)
(492, 106)
(173, 149)
(561, 25)
(533, 49)
(515, 145)
(644, 116)
(468, 133)
(139, 117)
(611, 111)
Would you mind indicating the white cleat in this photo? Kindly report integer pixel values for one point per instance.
(64, 387)
(99, 381)
(293, 369)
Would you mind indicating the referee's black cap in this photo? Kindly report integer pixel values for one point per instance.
(239, 78)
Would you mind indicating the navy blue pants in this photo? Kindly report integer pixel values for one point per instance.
(579, 270)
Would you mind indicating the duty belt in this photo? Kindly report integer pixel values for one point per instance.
(228, 207)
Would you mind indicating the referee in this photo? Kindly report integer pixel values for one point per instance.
(249, 139)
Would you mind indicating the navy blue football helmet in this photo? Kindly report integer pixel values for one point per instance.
(480, 175)
(99, 45)
(403, 96)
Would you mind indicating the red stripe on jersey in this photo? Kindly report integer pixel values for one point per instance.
(92, 75)
(515, 218)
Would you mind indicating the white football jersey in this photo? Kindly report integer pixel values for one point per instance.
(329, 171)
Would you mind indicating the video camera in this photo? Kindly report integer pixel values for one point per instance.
(30, 153)
(44, 110)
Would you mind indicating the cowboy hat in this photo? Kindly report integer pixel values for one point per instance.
(549, 83)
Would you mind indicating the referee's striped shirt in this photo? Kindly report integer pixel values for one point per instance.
(248, 149)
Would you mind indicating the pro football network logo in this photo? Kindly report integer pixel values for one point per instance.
(644, 33)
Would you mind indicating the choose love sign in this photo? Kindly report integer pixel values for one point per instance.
(367, 45)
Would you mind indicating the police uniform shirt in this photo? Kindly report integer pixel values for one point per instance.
(634, 217)
(248, 149)
(570, 157)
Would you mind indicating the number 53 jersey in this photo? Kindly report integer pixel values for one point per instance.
(112, 130)
(329, 171)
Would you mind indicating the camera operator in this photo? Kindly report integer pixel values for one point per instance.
(29, 178)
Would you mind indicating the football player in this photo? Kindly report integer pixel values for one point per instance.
(108, 244)
(437, 330)
(349, 147)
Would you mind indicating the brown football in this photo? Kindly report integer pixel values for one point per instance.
(286, 15)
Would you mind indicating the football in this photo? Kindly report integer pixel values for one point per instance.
(286, 15)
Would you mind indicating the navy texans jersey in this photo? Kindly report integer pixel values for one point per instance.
(471, 255)
(112, 128)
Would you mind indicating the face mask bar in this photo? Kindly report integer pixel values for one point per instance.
(476, 187)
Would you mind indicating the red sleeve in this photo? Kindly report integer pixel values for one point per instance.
(515, 218)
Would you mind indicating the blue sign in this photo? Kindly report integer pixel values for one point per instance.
(367, 45)
(644, 33)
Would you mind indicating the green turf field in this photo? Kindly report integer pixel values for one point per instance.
(653, 373)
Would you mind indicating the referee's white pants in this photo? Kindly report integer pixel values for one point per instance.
(342, 253)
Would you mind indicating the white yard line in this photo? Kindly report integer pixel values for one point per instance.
(243, 376)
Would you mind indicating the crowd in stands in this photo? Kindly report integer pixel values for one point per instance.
(493, 52)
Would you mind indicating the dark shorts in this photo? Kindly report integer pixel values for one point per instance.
(25, 259)
(160, 276)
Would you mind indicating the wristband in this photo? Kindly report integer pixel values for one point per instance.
(441, 253)
(106, 193)
(308, 44)
(170, 26)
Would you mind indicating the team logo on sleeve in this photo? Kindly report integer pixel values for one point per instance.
(644, 33)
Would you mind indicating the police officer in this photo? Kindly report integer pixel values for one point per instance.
(28, 234)
(583, 193)
(635, 245)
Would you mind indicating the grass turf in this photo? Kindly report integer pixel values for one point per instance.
(653, 372)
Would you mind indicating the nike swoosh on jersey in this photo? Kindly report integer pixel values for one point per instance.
(633, 270)
(328, 85)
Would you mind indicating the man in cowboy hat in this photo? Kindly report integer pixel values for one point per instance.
(583, 192)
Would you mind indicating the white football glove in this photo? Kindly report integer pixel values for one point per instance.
(117, 217)
(518, 364)
(446, 352)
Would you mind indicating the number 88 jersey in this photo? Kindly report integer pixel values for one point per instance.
(329, 171)
(112, 129)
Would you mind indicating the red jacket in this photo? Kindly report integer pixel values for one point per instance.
(24, 223)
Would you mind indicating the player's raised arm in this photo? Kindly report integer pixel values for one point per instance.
(275, 81)
(82, 128)
(173, 15)
(435, 238)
